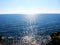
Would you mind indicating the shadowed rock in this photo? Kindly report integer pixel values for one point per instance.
(55, 39)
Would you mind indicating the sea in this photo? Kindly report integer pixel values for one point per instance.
(28, 29)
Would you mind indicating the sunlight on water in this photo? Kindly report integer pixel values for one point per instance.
(30, 18)
(30, 37)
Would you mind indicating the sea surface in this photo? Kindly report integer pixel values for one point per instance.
(29, 27)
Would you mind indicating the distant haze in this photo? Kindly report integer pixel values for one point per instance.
(29, 6)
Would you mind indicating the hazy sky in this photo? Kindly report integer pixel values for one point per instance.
(29, 6)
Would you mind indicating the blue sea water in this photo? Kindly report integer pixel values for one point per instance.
(17, 23)
(21, 25)
(30, 27)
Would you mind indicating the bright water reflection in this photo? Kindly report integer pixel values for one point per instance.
(28, 29)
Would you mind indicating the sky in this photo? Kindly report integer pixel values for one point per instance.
(29, 6)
